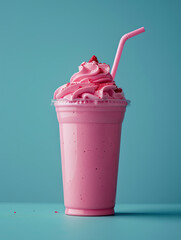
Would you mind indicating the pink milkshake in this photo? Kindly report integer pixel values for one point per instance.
(90, 111)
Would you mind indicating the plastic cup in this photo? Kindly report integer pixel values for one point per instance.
(90, 133)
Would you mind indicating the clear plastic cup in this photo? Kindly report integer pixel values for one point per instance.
(90, 133)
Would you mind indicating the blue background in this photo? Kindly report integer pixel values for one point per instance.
(41, 45)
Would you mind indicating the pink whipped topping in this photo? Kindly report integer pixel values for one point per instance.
(93, 81)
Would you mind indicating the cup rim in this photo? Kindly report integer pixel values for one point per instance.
(85, 102)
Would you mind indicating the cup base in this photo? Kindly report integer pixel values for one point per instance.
(89, 212)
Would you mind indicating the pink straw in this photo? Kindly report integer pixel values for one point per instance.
(120, 48)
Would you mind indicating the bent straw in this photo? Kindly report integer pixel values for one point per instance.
(120, 48)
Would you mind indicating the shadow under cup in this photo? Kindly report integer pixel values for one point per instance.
(90, 133)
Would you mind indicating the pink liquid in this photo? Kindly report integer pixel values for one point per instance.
(90, 144)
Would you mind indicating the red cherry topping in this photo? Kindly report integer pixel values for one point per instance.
(94, 58)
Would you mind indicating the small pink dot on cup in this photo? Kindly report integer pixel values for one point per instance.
(56, 211)
(14, 212)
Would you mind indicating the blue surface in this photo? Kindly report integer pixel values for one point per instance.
(38, 221)
(42, 43)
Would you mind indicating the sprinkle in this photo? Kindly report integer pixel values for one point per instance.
(117, 90)
(56, 212)
(14, 212)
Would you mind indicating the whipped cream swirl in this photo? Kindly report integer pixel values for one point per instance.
(93, 81)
